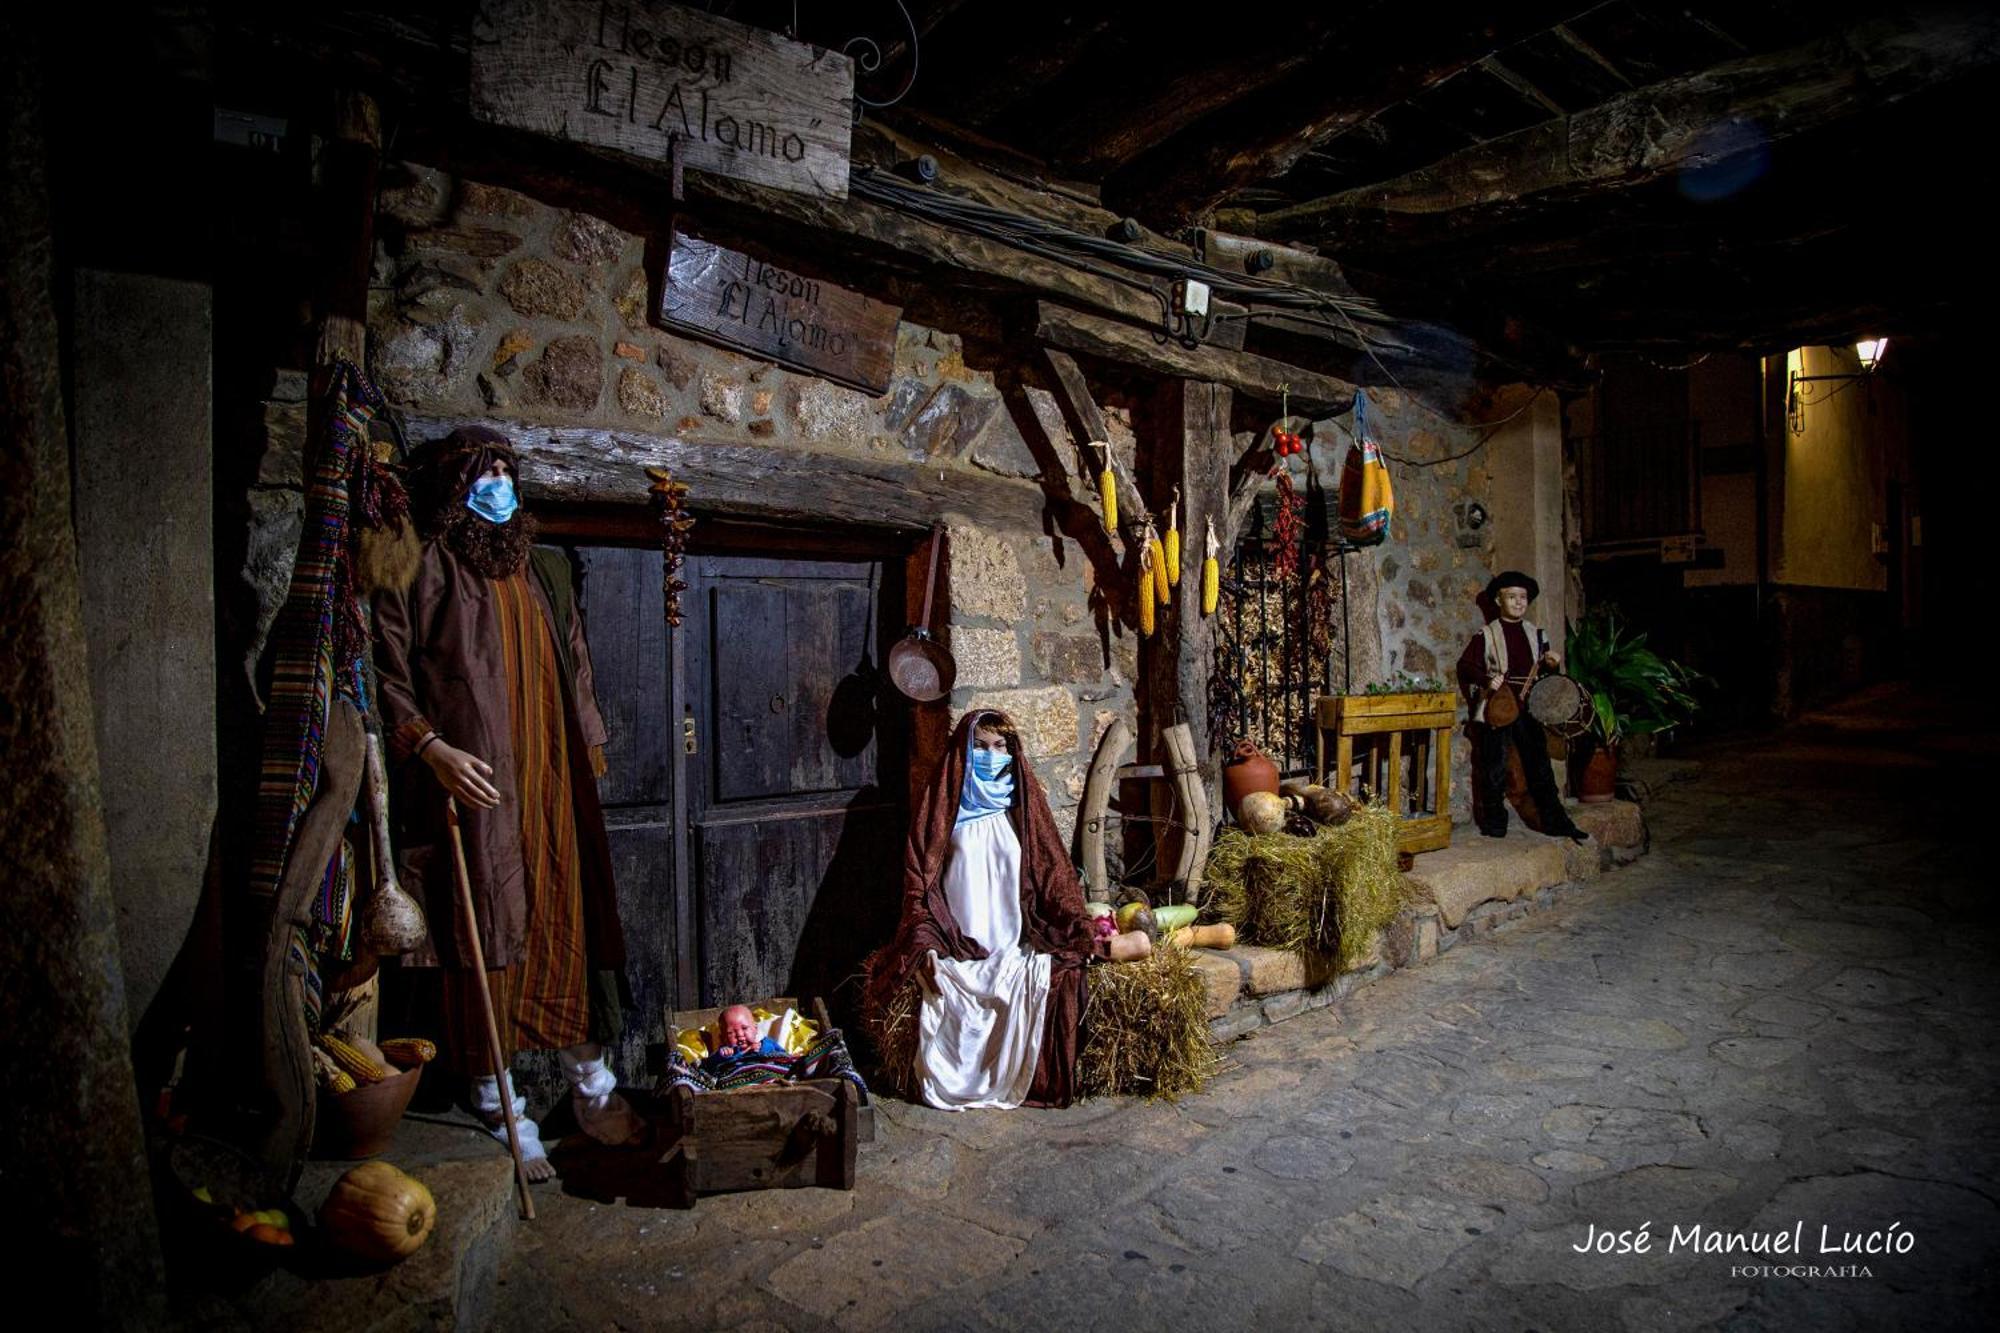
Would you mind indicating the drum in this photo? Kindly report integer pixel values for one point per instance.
(1561, 705)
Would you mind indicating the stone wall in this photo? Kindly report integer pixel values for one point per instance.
(488, 304)
(1412, 599)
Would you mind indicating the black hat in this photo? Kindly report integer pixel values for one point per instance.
(1512, 578)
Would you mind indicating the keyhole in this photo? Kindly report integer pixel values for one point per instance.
(777, 703)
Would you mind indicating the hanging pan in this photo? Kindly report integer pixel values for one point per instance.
(919, 664)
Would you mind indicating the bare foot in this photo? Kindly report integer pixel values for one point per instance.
(537, 1169)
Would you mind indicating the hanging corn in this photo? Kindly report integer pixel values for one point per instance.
(1173, 540)
(1211, 573)
(1143, 598)
(1107, 489)
(1157, 551)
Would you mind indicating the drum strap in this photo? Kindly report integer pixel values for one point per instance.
(1496, 646)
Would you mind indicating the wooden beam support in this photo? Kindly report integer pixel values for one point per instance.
(1257, 377)
(1260, 137)
(1568, 37)
(1521, 86)
(1074, 391)
(1655, 132)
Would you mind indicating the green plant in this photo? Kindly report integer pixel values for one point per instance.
(1633, 690)
(1405, 683)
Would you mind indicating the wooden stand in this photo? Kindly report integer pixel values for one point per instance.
(1392, 732)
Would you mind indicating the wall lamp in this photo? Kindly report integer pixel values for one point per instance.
(1869, 351)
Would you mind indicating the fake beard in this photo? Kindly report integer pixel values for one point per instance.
(494, 549)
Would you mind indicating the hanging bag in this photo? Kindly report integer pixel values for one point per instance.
(1366, 498)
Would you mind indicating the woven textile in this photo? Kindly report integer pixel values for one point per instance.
(317, 645)
(826, 1058)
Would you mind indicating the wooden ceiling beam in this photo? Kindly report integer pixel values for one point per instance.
(1651, 134)
(1521, 87)
(1383, 57)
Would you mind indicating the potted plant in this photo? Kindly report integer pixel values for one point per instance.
(1633, 691)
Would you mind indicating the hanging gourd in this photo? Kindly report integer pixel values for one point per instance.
(1366, 498)
(1173, 540)
(1107, 489)
(1156, 552)
(376, 1212)
(1144, 593)
(1211, 572)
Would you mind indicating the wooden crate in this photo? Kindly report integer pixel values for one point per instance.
(775, 1136)
(1384, 734)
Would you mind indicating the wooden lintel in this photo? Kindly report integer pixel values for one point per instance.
(594, 465)
(1259, 377)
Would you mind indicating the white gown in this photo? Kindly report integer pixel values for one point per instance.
(980, 1034)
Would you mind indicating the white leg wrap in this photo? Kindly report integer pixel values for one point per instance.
(600, 1111)
(486, 1105)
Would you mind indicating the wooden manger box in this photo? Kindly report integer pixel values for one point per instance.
(777, 1136)
(1396, 748)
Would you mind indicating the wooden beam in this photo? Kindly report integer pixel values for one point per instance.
(597, 466)
(1568, 37)
(1521, 86)
(1075, 393)
(1654, 132)
(1262, 136)
(1257, 377)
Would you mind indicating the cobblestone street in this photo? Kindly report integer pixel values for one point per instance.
(1783, 1016)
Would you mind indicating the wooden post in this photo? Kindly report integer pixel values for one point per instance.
(347, 237)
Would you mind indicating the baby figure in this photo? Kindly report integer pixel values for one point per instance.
(738, 1029)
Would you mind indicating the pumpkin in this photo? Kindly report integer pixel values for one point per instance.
(377, 1212)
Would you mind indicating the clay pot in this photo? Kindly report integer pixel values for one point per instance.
(362, 1123)
(1599, 780)
(1245, 771)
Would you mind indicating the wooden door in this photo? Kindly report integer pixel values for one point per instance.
(795, 805)
(619, 593)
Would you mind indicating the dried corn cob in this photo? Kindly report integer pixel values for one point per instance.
(409, 1052)
(1158, 553)
(330, 1075)
(1173, 540)
(1145, 590)
(1211, 574)
(350, 1058)
(1107, 490)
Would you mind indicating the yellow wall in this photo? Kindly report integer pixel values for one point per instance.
(1855, 435)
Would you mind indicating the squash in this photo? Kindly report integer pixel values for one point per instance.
(377, 1212)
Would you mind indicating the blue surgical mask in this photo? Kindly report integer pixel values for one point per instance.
(990, 764)
(492, 498)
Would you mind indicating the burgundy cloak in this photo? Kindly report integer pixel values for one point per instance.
(1052, 919)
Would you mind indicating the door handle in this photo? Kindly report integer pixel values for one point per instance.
(688, 744)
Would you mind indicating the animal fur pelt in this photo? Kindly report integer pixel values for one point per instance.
(386, 558)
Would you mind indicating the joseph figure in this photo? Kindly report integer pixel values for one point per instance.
(486, 697)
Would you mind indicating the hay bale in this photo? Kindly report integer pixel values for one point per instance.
(896, 1039)
(1322, 897)
(1145, 1029)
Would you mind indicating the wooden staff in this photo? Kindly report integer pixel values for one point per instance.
(493, 1051)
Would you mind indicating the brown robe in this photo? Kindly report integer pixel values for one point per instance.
(438, 657)
(1052, 919)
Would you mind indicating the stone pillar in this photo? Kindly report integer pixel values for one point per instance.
(70, 1143)
(145, 544)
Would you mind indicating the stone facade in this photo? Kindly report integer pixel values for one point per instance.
(486, 303)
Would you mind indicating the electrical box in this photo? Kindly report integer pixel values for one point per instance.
(1190, 297)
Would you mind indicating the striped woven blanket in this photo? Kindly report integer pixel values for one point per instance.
(826, 1057)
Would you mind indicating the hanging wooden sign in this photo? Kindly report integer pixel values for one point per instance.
(651, 79)
(738, 299)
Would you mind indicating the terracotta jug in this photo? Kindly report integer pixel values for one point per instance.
(1247, 769)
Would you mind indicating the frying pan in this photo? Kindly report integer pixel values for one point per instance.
(919, 665)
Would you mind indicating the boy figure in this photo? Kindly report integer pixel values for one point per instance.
(1504, 655)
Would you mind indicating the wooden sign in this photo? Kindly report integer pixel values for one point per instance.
(645, 77)
(740, 300)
